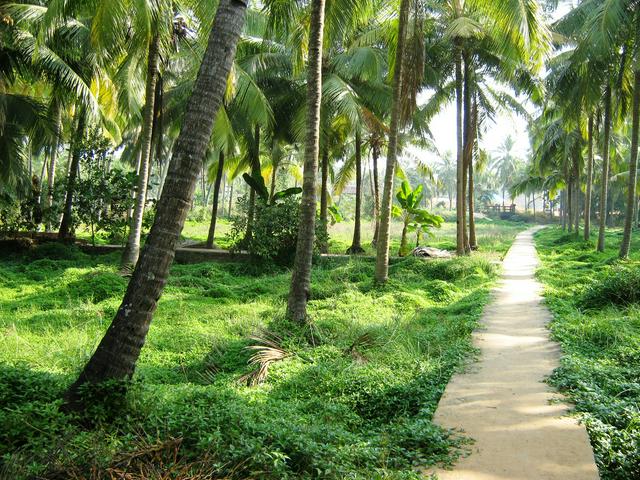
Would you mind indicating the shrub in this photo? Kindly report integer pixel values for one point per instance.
(275, 230)
(619, 285)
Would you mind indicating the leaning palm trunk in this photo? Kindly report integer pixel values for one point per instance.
(301, 277)
(216, 196)
(356, 244)
(132, 249)
(74, 163)
(604, 187)
(589, 182)
(118, 351)
(633, 164)
(460, 230)
(382, 244)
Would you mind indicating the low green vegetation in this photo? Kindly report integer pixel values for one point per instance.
(596, 304)
(351, 396)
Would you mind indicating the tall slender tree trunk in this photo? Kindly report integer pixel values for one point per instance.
(460, 193)
(375, 154)
(473, 242)
(633, 159)
(255, 172)
(324, 201)
(356, 244)
(65, 225)
(53, 163)
(604, 187)
(589, 182)
(576, 192)
(301, 277)
(274, 177)
(382, 245)
(132, 249)
(468, 142)
(570, 205)
(563, 208)
(231, 197)
(118, 351)
(216, 196)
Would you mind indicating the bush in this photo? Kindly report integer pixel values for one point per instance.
(619, 285)
(275, 230)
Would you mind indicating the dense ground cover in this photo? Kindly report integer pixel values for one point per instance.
(352, 396)
(596, 304)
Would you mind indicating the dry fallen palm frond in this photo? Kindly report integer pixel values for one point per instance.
(267, 351)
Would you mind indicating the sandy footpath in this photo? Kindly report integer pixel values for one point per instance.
(502, 402)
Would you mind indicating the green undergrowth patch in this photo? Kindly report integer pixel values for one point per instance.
(596, 304)
(351, 397)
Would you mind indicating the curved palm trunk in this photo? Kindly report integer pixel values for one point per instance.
(132, 249)
(324, 201)
(74, 163)
(301, 277)
(356, 244)
(375, 154)
(117, 354)
(382, 246)
(216, 196)
(589, 182)
(460, 230)
(604, 187)
(633, 164)
(274, 176)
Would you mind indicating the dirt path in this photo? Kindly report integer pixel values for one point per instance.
(502, 402)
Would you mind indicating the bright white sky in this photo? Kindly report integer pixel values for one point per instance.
(443, 125)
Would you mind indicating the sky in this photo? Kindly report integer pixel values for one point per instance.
(443, 126)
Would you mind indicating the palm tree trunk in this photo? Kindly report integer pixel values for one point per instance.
(468, 144)
(216, 196)
(375, 154)
(118, 351)
(301, 277)
(604, 187)
(255, 171)
(403, 240)
(460, 193)
(65, 225)
(230, 197)
(570, 205)
(356, 244)
(589, 182)
(576, 192)
(132, 249)
(274, 176)
(382, 245)
(563, 208)
(324, 201)
(53, 161)
(473, 242)
(633, 161)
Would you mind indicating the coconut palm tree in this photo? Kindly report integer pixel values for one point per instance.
(301, 276)
(118, 351)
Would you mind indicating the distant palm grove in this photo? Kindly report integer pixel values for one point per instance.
(296, 141)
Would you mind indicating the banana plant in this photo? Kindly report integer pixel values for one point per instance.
(414, 218)
(256, 182)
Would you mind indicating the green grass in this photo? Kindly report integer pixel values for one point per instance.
(493, 235)
(597, 321)
(355, 403)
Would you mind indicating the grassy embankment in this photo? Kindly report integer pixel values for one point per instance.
(596, 304)
(356, 401)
